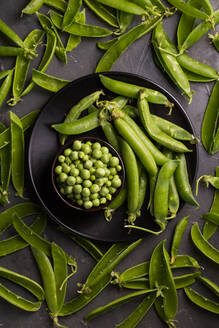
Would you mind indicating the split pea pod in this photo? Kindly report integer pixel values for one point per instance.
(123, 42)
(137, 145)
(5, 87)
(132, 91)
(73, 7)
(161, 193)
(75, 111)
(209, 284)
(182, 181)
(102, 12)
(124, 5)
(132, 175)
(17, 154)
(84, 124)
(47, 81)
(60, 5)
(201, 300)
(177, 237)
(153, 130)
(32, 6)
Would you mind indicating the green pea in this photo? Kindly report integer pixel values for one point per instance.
(97, 153)
(77, 145)
(69, 196)
(80, 166)
(116, 182)
(88, 164)
(68, 190)
(114, 161)
(92, 177)
(113, 170)
(87, 183)
(85, 158)
(99, 182)
(85, 192)
(75, 172)
(104, 191)
(92, 170)
(98, 163)
(97, 146)
(58, 169)
(67, 151)
(68, 160)
(118, 168)
(96, 202)
(104, 150)
(61, 158)
(65, 168)
(105, 158)
(94, 196)
(63, 177)
(107, 172)
(110, 177)
(100, 172)
(108, 183)
(80, 202)
(81, 154)
(78, 180)
(108, 197)
(77, 189)
(86, 149)
(88, 204)
(112, 190)
(76, 162)
(94, 188)
(85, 174)
(103, 200)
(71, 180)
(78, 197)
(72, 166)
(74, 155)
(86, 198)
(62, 190)
(89, 143)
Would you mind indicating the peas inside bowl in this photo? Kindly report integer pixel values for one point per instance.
(87, 173)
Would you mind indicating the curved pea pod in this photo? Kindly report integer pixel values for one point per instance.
(153, 130)
(17, 154)
(32, 6)
(84, 124)
(60, 5)
(209, 124)
(201, 300)
(47, 81)
(132, 91)
(112, 305)
(177, 237)
(5, 87)
(182, 181)
(160, 274)
(124, 5)
(184, 261)
(136, 272)
(4, 73)
(161, 193)
(6, 30)
(105, 45)
(208, 180)
(115, 204)
(74, 40)
(132, 175)
(79, 29)
(110, 133)
(124, 19)
(18, 301)
(72, 9)
(186, 280)
(131, 111)
(32, 286)
(203, 245)
(123, 42)
(102, 12)
(209, 284)
(212, 217)
(78, 108)
(193, 77)
(189, 9)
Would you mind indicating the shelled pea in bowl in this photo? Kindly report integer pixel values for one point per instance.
(155, 139)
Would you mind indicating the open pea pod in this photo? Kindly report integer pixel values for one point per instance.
(209, 133)
(102, 12)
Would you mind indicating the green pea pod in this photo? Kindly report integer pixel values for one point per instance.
(48, 279)
(27, 121)
(132, 91)
(5, 87)
(79, 29)
(22, 209)
(132, 176)
(193, 77)
(189, 9)
(4, 73)
(105, 45)
(75, 111)
(131, 111)
(186, 23)
(32, 286)
(47, 57)
(152, 7)
(198, 32)
(214, 38)
(32, 6)
(18, 301)
(11, 51)
(185, 261)
(60, 5)
(17, 154)
(60, 273)
(143, 181)
(140, 284)
(47, 81)
(74, 40)
(203, 245)
(207, 6)
(15, 243)
(153, 130)
(84, 124)
(124, 19)
(112, 305)
(115, 204)
(135, 272)
(209, 284)
(208, 180)
(22, 66)
(5, 159)
(186, 280)
(182, 181)
(124, 41)
(209, 123)
(160, 275)
(202, 301)
(110, 133)
(102, 12)
(73, 7)
(124, 5)
(177, 237)
(6, 30)
(138, 314)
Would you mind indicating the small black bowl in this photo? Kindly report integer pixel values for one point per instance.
(55, 162)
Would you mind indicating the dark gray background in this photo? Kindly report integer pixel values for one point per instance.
(83, 60)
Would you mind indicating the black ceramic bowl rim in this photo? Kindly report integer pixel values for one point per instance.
(120, 173)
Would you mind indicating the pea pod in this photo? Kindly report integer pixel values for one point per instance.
(110, 133)
(214, 38)
(185, 261)
(135, 272)
(4, 73)
(209, 284)
(32, 286)
(5, 159)
(102, 12)
(189, 9)
(6, 30)
(143, 181)
(177, 237)
(32, 6)
(75, 111)
(160, 275)
(74, 40)
(124, 41)
(5, 87)
(203, 245)
(60, 5)
(208, 180)
(79, 29)
(193, 77)
(47, 81)
(186, 280)
(115, 204)
(105, 45)
(72, 8)
(17, 154)
(202, 301)
(11, 51)
(124, 5)
(124, 19)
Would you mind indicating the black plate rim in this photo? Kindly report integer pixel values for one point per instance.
(109, 74)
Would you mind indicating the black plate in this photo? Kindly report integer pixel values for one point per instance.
(44, 145)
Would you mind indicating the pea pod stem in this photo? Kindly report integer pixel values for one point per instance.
(177, 237)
